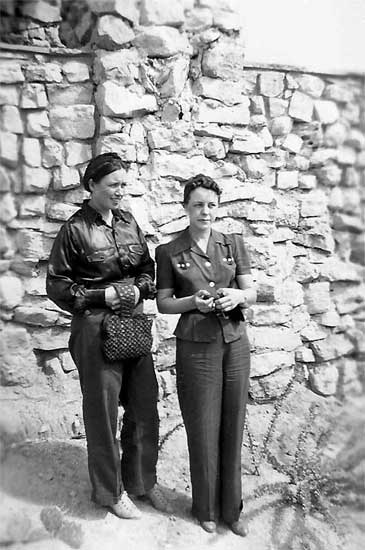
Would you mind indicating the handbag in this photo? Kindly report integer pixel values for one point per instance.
(126, 336)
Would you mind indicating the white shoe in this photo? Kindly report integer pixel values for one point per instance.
(125, 508)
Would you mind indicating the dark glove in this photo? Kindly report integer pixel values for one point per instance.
(146, 287)
(85, 298)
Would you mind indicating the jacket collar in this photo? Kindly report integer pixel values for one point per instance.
(185, 242)
(93, 215)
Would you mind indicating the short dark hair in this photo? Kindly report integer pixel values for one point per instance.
(200, 181)
(101, 166)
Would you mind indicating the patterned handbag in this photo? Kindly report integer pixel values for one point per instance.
(125, 336)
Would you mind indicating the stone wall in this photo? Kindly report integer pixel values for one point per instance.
(166, 86)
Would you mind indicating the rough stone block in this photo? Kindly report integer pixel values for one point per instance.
(310, 84)
(301, 107)
(312, 332)
(65, 177)
(50, 338)
(11, 291)
(335, 345)
(126, 8)
(266, 363)
(307, 181)
(9, 94)
(314, 204)
(198, 19)
(38, 124)
(36, 180)
(292, 143)
(225, 21)
(329, 175)
(34, 205)
(11, 120)
(120, 143)
(214, 130)
(269, 314)
(76, 71)
(171, 164)
(267, 388)
(31, 152)
(33, 245)
(74, 122)
(162, 12)
(52, 153)
(326, 111)
(70, 94)
(224, 60)
(213, 148)
(48, 72)
(9, 148)
(11, 72)
(40, 10)
(17, 361)
(176, 138)
(161, 41)
(281, 125)
(112, 33)
(33, 96)
(345, 222)
(304, 355)
(273, 338)
(115, 100)
(317, 297)
(77, 153)
(58, 211)
(228, 93)
(287, 179)
(339, 93)
(277, 107)
(271, 83)
(247, 142)
(323, 379)
(175, 82)
(121, 66)
(213, 112)
(255, 168)
(335, 135)
(37, 316)
(257, 106)
(5, 184)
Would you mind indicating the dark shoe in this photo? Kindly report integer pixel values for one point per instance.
(209, 526)
(158, 499)
(239, 527)
(125, 508)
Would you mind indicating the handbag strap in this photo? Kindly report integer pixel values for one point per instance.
(126, 297)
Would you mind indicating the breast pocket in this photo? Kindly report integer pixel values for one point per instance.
(101, 255)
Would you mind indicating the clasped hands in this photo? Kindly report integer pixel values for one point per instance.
(225, 300)
(112, 299)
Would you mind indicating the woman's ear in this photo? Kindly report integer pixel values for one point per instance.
(91, 185)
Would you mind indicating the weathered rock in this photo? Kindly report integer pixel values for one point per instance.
(269, 315)
(17, 362)
(318, 236)
(292, 143)
(265, 363)
(211, 111)
(30, 206)
(329, 175)
(304, 271)
(198, 19)
(161, 41)
(112, 32)
(8, 210)
(225, 21)
(77, 153)
(287, 211)
(120, 143)
(277, 107)
(35, 180)
(176, 78)
(177, 137)
(50, 338)
(273, 338)
(326, 111)
(121, 66)
(265, 388)
(323, 379)
(114, 100)
(310, 84)
(162, 12)
(126, 8)
(271, 83)
(31, 151)
(11, 72)
(52, 153)
(213, 148)
(281, 125)
(58, 211)
(330, 319)
(76, 71)
(11, 291)
(313, 204)
(335, 134)
(224, 60)
(38, 316)
(312, 332)
(4, 180)
(38, 124)
(33, 96)
(48, 72)
(304, 355)
(335, 345)
(333, 269)
(74, 122)
(65, 177)
(9, 94)
(11, 120)
(9, 148)
(287, 179)
(301, 107)
(339, 93)
(247, 142)
(33, 245)
(41, 11)
(70, 93)
(317, 297)
(229, 93)
(344, 222)
(182, 168)
(307, 181)
(289, 292)
(257, 106)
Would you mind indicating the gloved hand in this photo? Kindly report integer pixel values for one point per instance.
(146, 287)
(85, 298)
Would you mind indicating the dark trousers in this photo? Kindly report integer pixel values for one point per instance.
(104, 386)
(212, 383)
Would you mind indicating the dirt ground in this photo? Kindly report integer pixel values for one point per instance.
(35, 475)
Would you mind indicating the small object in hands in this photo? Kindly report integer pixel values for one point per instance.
(219, 312)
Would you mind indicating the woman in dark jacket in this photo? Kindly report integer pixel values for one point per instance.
(100, 245)
(205, 275)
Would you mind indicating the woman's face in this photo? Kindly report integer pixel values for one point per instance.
(202, 208)
(107, 192)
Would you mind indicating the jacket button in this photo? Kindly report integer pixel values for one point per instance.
(211, 283)
(207, 263)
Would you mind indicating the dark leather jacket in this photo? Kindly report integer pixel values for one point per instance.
(88, 255)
